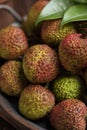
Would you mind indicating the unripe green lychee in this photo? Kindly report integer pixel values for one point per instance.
(69, 114)
(36, 102)
(13, 42)
(52, 32)
(12, 78)
(67, 86)
(40, 64)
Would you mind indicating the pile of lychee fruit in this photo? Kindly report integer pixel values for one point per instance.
(45, 66)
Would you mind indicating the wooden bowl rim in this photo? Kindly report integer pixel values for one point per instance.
(8, 112)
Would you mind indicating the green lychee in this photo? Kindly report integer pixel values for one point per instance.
(13, 42)
(12, 78)
(69, 114)
(40, 64)
(67, 86)
(36, 102)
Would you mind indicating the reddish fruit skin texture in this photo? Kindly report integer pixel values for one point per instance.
(73, 53)
(52, 33)
(40, 64)
(36, 8)
(12, 78)
(36, 102)
(69, 115)
(13, 42)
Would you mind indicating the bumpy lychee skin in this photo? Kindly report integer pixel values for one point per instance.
(12, 78)
(67, 86)
(36, 102)
(69, 115)
(73, 53)
(13, 42)
(52, 32)
(29, 24)
(40, 64)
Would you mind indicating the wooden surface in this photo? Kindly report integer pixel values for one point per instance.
(5, 125)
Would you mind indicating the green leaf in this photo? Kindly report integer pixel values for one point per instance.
(75, 13)
(80, 1)
(54, 9)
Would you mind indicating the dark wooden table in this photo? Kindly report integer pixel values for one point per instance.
(5, 125)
